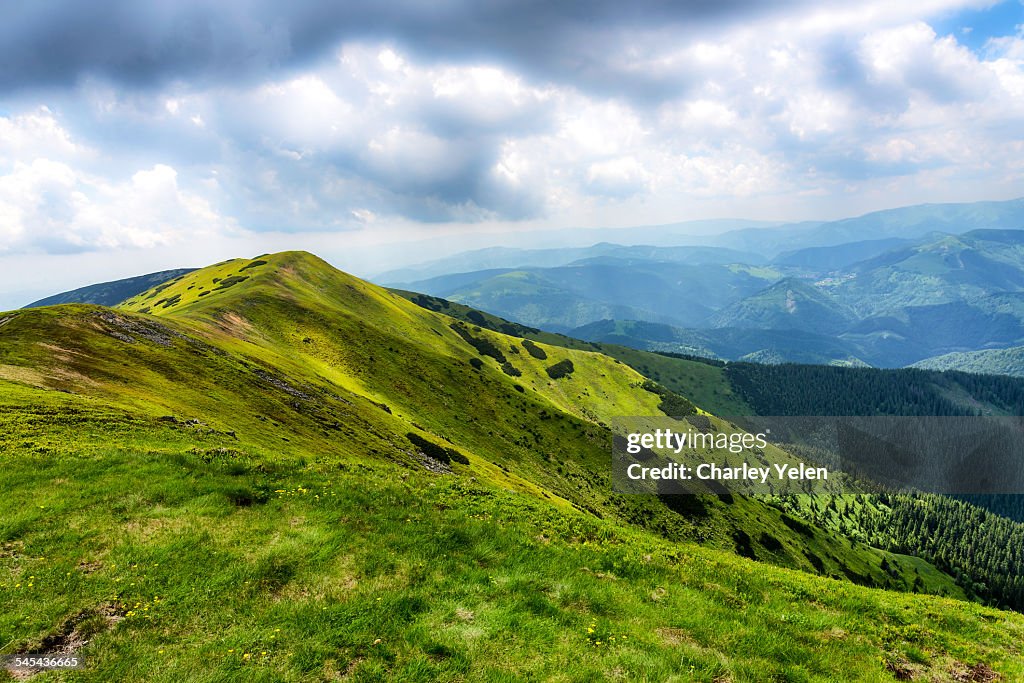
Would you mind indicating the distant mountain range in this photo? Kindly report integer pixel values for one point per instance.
(907, 285)
(910, 222)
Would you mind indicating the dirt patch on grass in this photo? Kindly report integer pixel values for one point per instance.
(235, 325)
(903, 669)
(89, 567)
(16, 373)
(130, 330)
(675, 636)
(12, 549)
(72, 635)
(977, 673)
(147, 528)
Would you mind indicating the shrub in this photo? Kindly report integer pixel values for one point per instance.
(435, 451)
(476, 317)
(427, 302)
(476, 363)
(483, 345)
(562, 368)
(233, 280)
(671, 404)
(172, 301)
(510, 370)
(253, 264)
(534, 350)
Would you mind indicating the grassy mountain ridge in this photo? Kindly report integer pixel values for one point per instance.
(258, 429)
(110, 293)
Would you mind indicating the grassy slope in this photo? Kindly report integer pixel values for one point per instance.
(304, 505)
(702, 383)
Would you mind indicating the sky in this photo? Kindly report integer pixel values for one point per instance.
(141, 136)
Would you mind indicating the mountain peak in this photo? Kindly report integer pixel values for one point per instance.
(790, 303)
(294, 275)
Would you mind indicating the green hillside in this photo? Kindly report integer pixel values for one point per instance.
(949, 268)
(269, 470)
(989, 362)
(972, 543)
(702, 380)
(789, 303)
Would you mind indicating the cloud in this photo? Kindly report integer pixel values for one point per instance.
(136, 126)
(617, 178)
(49, 206)
(56, 42)
(35, 133)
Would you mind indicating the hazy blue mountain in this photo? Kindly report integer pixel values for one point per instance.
(905, 223)
(505, 257)
(529, 298)
(828, 259)
(789, 304)
(796, 346)
(947, 269)
(110, 293)
(910, 334)
(573, 295)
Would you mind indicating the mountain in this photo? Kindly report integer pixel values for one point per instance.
(506, 257)
(759, 345)
(111, 293)
(823, 260)
(534, 299)
(268, 468)
(947, 269)
(789, 304)
(989, 362)
(566, 297)
(910, 222)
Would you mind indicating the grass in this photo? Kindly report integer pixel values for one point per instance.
(704, 384)
(243, 568)
(181, 485)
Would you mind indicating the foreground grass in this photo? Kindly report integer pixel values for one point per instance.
(224, 567)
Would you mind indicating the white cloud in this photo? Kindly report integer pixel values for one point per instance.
(825, 103)
(36, 134)
(48, 205)
(617, 178)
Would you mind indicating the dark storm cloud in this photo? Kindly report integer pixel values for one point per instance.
(55, 42)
